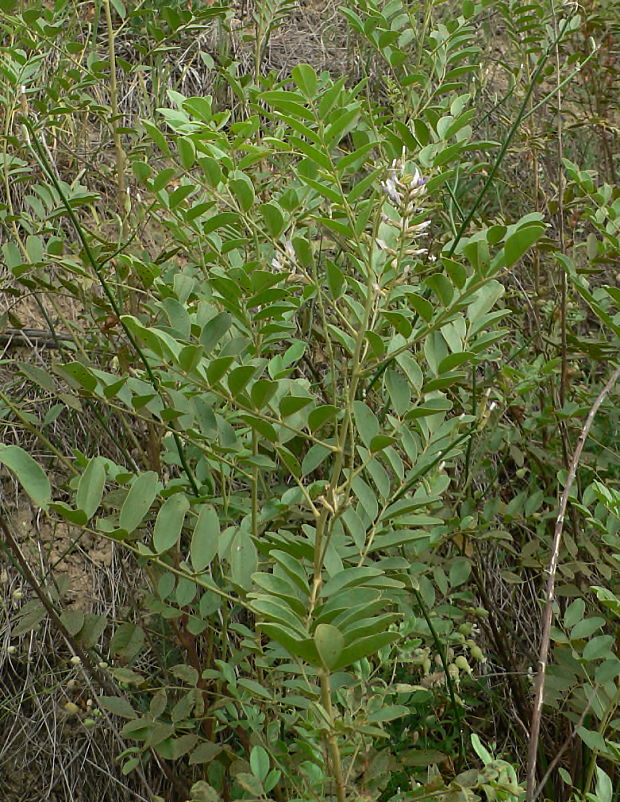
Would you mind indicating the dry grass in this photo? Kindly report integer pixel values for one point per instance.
(48, 751)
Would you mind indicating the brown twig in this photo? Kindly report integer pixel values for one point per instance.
(90, 668)
(561, 751)
(71, 642)
(31, 337)
(545, 637)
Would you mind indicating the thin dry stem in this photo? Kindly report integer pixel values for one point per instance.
(545, 638)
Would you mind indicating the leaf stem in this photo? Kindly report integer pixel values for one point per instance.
(332, 740)
(444, 665)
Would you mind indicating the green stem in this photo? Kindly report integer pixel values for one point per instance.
(43, 162)
(604, 723)
(121, 157)
(474, 412)
(33, 430)
(505, 144)
(254, 485)
(332, 740)
(444, 664)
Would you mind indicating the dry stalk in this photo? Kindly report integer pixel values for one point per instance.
(545, 638)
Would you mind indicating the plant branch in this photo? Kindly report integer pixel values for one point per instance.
(41, 159)
(332, 740)
(545, 638)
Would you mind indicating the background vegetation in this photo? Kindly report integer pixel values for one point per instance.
(309, 415)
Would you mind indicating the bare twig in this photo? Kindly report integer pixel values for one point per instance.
(33, 338)
(561, 751)
(545, 637)
(90, 668)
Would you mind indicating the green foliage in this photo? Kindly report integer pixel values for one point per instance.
(340, 455)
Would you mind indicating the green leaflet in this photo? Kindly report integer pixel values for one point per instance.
(90, 487)
(169, 522)
(29, 473)
(138, 501)
(205, 537)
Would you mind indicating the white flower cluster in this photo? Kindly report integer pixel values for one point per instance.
(400, 185)
(405, 189)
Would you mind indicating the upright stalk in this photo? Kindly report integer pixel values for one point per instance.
(560, 215)
(120, 155)
(545, 638)
(332, 740)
